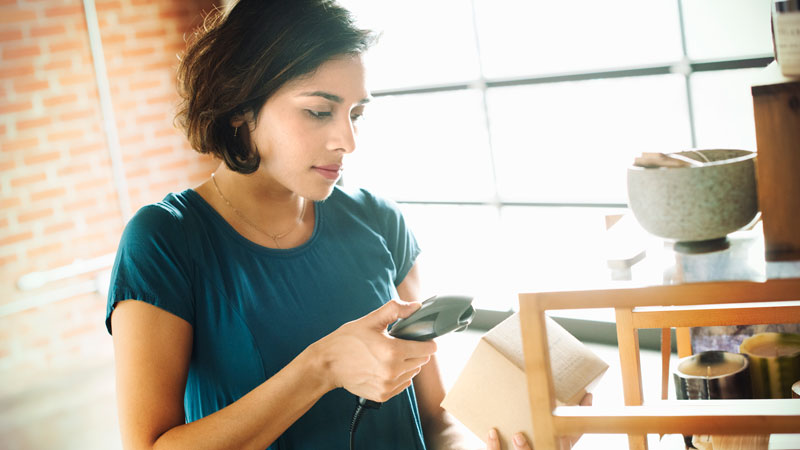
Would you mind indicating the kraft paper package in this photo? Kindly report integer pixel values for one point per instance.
(491, 391)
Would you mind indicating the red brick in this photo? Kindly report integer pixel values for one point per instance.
(17, 16)
(21, 52)
(155, 33)
(59, 227)
(93, 183)
(170, 131)
(138, 52)
(10, 35)
(103, 217)
(57, 100)
(77, 78)
(42, 250)
(158, 117)
(24, 85)
(65, 46)
(19, 144)
(133, 19)
(28, 179)
(49, 30)
(41, 158)
(48, 193)
(2, 129)
(35, 215)
(9, 202)
(66, 135)
(173, 13)
(23, 125)
(71, 169)
(156, 152)
(8, 108)
(108, 6)
(16, 71)
(133, 139)
(80, 205)
(138, 172)
(8, 259)
(79, 114)
(59, 64)
(114, 39)
(91, 147)
(16, 238)
(65, 10)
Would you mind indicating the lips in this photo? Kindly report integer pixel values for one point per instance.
(330, 171)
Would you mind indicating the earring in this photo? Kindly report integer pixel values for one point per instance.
(235, 130)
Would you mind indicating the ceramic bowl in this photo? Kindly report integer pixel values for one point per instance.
(701, 203)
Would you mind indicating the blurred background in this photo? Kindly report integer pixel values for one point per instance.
(503, 128)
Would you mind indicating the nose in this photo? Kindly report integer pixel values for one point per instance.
(343, 136)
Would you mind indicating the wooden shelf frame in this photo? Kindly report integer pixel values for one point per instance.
(723, 303)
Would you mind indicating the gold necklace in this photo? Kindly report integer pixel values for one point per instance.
(274, 237)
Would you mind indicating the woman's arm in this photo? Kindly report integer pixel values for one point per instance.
(441, 430)
(152, 349)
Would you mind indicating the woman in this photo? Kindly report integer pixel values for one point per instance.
(251, 311)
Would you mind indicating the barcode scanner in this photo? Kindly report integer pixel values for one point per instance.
(438, 315)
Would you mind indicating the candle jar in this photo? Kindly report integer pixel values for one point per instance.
(774, 363)
(712, 375)
(786, 36)
(709, 375)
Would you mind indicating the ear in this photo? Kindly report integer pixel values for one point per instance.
(240, 119)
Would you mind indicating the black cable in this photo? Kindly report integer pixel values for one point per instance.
(361, 405)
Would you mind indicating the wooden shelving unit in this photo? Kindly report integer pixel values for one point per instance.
(681, 306)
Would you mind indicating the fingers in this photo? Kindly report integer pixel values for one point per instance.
(390, 312)
(518, 441)
(493, 442)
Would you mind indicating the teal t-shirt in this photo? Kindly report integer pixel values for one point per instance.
(253, 308)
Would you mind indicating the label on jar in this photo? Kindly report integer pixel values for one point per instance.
(787, 42)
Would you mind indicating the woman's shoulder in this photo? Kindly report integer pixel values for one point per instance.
(166, 216)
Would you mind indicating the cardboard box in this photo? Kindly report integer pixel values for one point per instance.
(491, 391)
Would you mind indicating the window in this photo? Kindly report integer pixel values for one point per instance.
(504, 127)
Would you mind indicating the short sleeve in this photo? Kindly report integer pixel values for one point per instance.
(153, 264)
(399, 238)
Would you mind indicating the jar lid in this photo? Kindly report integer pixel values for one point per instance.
(782, 6)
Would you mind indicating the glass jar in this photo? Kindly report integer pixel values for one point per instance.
(786, 36)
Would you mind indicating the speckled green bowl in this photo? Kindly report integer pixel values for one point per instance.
(690, 204)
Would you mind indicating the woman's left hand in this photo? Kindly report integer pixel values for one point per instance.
(493, 443)
(520, 443)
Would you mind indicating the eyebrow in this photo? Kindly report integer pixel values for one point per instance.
(332, 97)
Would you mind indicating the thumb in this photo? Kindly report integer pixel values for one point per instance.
(390, 312)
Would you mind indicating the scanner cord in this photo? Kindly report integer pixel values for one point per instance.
(361, 405)
(354, 424)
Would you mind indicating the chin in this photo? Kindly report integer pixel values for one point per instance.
(318, 195)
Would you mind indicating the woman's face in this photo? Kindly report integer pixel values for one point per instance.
(306, 128)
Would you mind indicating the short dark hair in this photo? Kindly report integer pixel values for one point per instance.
(236, 60)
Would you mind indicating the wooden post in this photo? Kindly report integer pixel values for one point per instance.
(776, 104)
(630, 364)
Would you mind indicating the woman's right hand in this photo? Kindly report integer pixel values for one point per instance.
(362, 358)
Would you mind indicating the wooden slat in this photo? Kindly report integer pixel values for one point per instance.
(682, 294)
(710, 316)
(684, 337)
(682, 416)
(666, 352)
(541, 390)
(628, 342)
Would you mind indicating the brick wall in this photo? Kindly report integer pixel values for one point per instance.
(58, 202)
